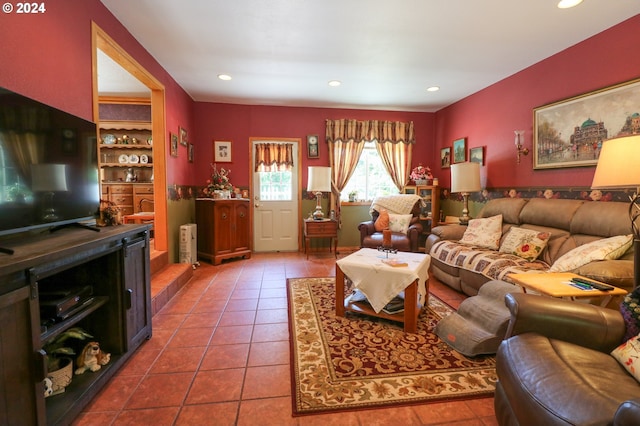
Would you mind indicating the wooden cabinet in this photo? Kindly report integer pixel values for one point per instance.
(114, 264)
(121, 194)
(224, 229)
(431, 196)
(321, 229)
(143, 200)
(125, 145)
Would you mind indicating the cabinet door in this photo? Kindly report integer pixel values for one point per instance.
(242, 230)
(21, 369)
(223, 219)
(137, 290)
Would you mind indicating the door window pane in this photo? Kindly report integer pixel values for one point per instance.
(275, 186)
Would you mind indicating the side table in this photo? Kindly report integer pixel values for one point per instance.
(325, 228)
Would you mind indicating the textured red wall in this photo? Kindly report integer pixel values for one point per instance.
(490, 116)
(238, 123)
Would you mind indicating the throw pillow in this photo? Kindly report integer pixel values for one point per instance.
(484, 232)
(630, 310)
(604, 249)
(399, 222)
(382, 222)
(525, 243)
(628, 355)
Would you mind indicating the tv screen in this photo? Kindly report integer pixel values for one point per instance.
(48, 166)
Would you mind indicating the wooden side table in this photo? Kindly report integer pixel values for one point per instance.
(325, 228)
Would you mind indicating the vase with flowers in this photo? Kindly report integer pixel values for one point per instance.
(219, 185)
(421, 175)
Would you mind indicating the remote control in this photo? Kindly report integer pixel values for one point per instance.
(597, 286)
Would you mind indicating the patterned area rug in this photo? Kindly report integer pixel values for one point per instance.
(361, 362)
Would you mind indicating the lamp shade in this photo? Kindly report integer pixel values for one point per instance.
(465, 177)
(48, 177)
(319, 179)
(618, 164)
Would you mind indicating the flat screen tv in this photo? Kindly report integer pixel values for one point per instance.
(48, 166)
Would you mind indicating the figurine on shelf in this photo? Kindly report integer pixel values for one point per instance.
(92, 358)
(131, 175)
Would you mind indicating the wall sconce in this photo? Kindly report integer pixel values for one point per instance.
(519, 141)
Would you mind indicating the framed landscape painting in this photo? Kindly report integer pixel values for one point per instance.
(445, 157)
(460, 150)
(570, 133)
(476, 155)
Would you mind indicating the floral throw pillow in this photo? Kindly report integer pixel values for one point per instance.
(604, 249)
(382, 222)
(484, 232)
(525, 243)
(399, 222)
(628, 355)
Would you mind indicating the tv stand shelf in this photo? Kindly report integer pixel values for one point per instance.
(115, 263)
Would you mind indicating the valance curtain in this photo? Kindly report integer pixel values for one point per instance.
(273, 157)
(346, 139)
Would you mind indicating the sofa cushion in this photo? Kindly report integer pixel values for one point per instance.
(551, 213)
(399, 222)
(628, 355)
(601, 219)
(525, 243)
(382, 222)
(509, 208)
(484, 232)
(603, 249)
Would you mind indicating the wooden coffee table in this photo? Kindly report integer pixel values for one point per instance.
(556, 284)
(381, 283)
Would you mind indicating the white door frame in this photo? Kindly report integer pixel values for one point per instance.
(298, 143)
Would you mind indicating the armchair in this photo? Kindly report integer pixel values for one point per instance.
(400, 204)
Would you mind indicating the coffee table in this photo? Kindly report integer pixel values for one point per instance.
(380, 283)
(556, 284)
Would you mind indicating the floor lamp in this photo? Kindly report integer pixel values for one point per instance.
(619, 167)
(465, 178)
(319, 181)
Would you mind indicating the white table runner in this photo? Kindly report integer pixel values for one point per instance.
(380, 282)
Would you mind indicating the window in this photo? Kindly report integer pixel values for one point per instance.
(370, 178)
(275, 186)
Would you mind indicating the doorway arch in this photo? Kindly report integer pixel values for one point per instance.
(101, 40)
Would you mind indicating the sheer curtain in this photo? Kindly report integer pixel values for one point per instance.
(346, 139)
(273, 157)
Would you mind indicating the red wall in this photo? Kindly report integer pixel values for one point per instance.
(237, 123)
(490, 116)
(48, 57)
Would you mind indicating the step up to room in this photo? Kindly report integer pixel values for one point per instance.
(166, 279)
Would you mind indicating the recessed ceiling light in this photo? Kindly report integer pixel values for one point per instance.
(566, 4)
(225, 77)
(334, 83)
(433, 88)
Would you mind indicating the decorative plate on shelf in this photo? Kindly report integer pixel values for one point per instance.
(134, 159)
(144, 159)
(109, 139)
(123, 159)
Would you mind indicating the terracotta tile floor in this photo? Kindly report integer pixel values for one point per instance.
(220, 356)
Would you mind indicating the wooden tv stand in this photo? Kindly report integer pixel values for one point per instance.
(115, 262)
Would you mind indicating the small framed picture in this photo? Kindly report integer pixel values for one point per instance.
(476, 155)
(445, 157)
(183, 136)
(245, 193)
(222, 151)
(312, 146)
(173, 141)
(460, 150)
(190, 152)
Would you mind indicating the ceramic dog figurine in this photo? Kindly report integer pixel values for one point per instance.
(92, 358)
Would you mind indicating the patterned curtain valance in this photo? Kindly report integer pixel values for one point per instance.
(347, 130)
(273, 157)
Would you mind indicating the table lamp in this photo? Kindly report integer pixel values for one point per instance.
(48, 178)
(619, 167)
(319, 181)
(465, 178)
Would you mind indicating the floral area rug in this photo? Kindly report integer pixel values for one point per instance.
(357, 361)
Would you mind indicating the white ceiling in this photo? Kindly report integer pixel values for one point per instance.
(385, 53)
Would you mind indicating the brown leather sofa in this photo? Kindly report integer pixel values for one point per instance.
(410, 242)
(554, 366)
(571, 224)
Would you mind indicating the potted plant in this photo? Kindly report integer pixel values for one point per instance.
(60, 358)
(352, 196)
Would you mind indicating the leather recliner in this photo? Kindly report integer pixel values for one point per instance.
(555, 368)
(409, 242)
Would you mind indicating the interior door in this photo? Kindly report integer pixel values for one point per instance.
(276, 199)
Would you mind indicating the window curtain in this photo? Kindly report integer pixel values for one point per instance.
(346, 139)
(274, 157)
